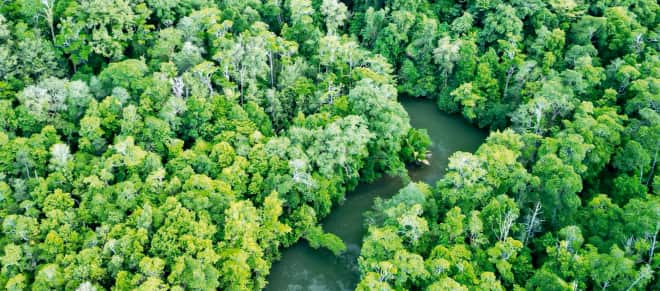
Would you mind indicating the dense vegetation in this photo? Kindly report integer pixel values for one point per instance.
(164, 144)
(179, 144)
(563, 195)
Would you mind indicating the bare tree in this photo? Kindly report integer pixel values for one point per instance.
(532, 222)
(505, 223)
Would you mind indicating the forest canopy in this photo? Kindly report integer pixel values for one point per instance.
(180, 145)
(563, 195)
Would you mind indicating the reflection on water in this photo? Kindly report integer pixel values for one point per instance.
(304, 268)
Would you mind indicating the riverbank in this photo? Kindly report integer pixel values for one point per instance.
(304, 268)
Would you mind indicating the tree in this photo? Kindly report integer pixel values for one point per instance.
(501, 253)
(188, 56)
(374, 20)
(372, 281)
(272, 230)
(179, 229)
(462, 24)
(446, 55)
(4, 29)
(500, 214)
(417, 72)
(394, 36)
(602, 222)
(602, 128)
(464, 184)
(410, 269)
(169, 41)
(379, 245)
(348, 138)
(34, 58)
(335, 13)
(110, 25)
(248, 59)
(632, 158)
(49, 276)
(644, 94)
(530, 116)
(570, 148)
(416, 143)
(471, 101)
(41, 9)
(125, 74)
(85, 267)
(559, 187)
(197, 273)
(317, 238)
(502, 24)
(640, 218)
(56, 101)
(452, 230)
(621, 30)
(301, 28)
(447, 284)
(91, 135)
(375, 102)
(549, 45)
(241, 236)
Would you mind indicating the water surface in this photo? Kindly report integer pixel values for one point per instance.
(304, 268)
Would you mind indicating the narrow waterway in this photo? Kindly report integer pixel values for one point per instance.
(304, 268)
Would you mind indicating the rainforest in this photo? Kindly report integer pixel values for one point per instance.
(329, 145)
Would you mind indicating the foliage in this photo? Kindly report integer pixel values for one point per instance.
(158, 145)
(565, 197)
(154, 145)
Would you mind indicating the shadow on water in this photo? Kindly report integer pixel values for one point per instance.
(304, 268)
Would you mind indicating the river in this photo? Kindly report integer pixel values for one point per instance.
(304, 268)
